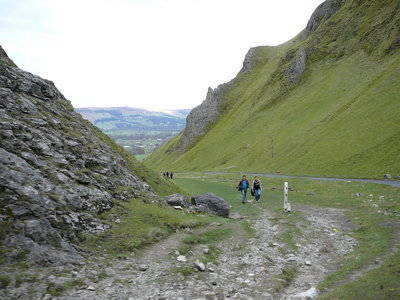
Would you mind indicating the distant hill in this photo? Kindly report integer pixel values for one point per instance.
(138, 130)
(325, 103)
(117, 118)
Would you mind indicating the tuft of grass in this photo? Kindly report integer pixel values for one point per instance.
(102, 275)
(282, 281)
(184, 270)
(58, 289)
(21, 278)
(208, 237)
(5, 280)
(213, 254)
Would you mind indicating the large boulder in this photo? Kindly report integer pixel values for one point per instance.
(211, 203)
(177, 200)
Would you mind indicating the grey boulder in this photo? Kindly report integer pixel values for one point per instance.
(177, 200)
(211, 203)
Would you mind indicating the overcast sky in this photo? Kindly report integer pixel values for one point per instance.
(153, 54)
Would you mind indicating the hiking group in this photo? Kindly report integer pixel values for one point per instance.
(255, 188)
(169, 175)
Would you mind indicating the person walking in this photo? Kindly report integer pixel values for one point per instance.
(171, 175)
(256, 188)
(242, 187)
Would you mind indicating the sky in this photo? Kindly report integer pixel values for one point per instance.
(152, 54)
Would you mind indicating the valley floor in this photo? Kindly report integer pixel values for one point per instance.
(341, 241)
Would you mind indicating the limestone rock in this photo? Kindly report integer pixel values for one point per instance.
(323, 12)
(297, 66)
(211, 203)
(309, 294)
(199, 266)
(177, 200)
(181, 258)
(201, 118)
(143, 268)
(56, 173)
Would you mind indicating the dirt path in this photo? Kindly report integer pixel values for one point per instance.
(259, 267)
(395, 183)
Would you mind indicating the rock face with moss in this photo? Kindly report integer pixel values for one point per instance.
(57, 171)
(200, 118)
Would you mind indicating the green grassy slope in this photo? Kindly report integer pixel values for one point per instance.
(341, 119)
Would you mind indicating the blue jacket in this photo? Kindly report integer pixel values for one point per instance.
(243, 185)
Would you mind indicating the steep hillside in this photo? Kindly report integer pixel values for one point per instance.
(140, 131)
(58, 173)
(325, 103)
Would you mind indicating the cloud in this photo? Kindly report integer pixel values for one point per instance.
(143, 53)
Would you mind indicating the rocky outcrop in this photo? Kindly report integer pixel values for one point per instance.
(205, 203)
(323, 12)
(4, 59)
(201, 118)
(249, 60)
(296, 67)
(56, 172)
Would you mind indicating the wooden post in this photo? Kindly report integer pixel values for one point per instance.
(286, 205)
(272, 147)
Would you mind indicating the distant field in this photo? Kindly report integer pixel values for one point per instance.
(139, 131)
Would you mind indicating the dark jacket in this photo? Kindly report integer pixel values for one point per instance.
(241, 183)
(256, 185)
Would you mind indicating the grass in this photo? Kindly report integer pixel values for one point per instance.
(208, 237)
(141, 157)
(286, 277)
(141, 225)
(57, 289)
(374, 215)
(380, 283)
(4, 281)
(185, 270)
(339, 120)
(21, 278)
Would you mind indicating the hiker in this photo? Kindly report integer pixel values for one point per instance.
(171, 175)
(243, 187)
(256, 188)
(167, 174)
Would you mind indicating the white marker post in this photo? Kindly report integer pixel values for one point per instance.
(286, 205)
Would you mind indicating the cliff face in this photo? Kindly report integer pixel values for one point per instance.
(201, 118)
(57, 173)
